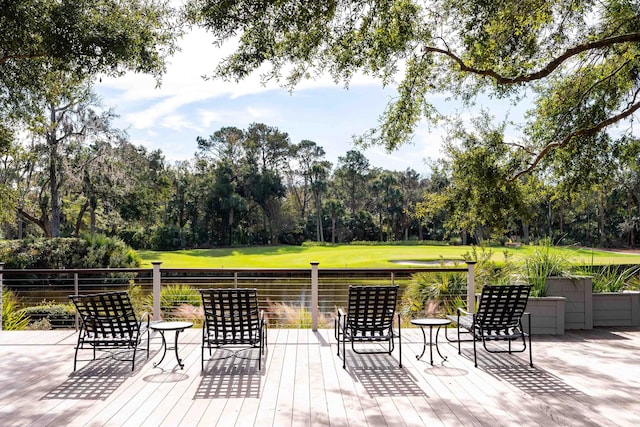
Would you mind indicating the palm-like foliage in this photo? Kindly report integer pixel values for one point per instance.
(13, 317)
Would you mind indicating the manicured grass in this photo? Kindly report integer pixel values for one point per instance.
(356, 256)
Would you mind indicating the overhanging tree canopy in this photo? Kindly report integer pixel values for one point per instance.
(578, 61)
(85, 37)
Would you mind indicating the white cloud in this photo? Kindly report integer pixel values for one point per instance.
(186, 105)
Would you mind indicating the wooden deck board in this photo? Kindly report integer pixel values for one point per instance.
(580, 378)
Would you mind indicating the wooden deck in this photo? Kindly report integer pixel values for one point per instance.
(580, 378)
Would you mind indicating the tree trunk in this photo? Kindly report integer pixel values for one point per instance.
(54, 178)
(83, 209)
(230, 227)
(632, 228)
(334, 220)
(601, 215)
(43, 223)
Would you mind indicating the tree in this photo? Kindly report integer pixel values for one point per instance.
(8, 195)
(577, 63)
(81, 37)
(411, 187)
(350, 179)
(335, 208)
(61, 122)
(267, 151)
(318, 176)
(478, 199)
(306, 155)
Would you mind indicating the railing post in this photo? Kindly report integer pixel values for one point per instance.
(157, 281)
(471, 287)
(1, 302)
(314, 296)
(76, 291)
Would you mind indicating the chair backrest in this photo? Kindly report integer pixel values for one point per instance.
(371, 308)
(502, 307)
(231, 315)
(107, 314)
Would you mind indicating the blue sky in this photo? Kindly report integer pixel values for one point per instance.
(186, 106)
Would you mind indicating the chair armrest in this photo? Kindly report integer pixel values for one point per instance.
(462, 312)
(145, 318)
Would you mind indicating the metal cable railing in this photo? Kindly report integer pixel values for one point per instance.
(304, 297)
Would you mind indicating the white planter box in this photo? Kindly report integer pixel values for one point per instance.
(547, 315)
(616, 309)
(579, 304)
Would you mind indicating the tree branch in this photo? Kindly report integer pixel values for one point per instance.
(578, 133)
(543, 72)
(8, 58)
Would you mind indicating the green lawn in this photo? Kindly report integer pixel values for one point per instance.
(339, 256)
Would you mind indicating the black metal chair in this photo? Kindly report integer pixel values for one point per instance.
(232, 318)
(369, 319)
(498, 318)
(108, 321)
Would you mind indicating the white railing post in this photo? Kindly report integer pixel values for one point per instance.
(1, 302)
(157, 281)
(314, 296)
(471, 287)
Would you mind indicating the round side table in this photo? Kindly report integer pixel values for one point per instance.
(163, 327)
(429, 322)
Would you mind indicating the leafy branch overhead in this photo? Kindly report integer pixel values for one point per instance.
(575, 63)
(83, 37)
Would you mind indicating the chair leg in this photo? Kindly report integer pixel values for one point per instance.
(202, 357)
(400, 341)
(458, 329)
(344, 351)
(336, 333)
(148, 341)
(475, 357)
(133, 359)
(75, 358)
(530, 349)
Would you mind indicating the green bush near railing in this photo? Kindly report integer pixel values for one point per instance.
(50, 315)
(96, 252)
(433, 294)
(13, 317)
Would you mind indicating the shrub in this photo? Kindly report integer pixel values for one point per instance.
(110, 252)
(614, 278)
(292, 316)
(189, 313)
(138, 301)
(541, 264)
(487, 271)
(168, 237)
(56, 315)
(172, 297)
(97, 252)
(434, 294)
(137, 238)
(13, 318)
